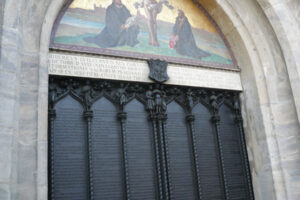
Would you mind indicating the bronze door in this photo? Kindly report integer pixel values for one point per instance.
(121, 140)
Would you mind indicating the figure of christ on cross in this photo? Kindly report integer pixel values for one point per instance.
(152, 9)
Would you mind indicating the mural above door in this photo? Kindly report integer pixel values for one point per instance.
(171, 30)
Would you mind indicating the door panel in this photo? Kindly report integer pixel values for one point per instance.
(70, 173)
(232, 154)
(207, 153)
(181, 169)
(106, 152)
(140, 152)
(116, 140)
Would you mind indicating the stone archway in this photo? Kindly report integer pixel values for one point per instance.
(274, 91)
(266, 51)
(258, 53)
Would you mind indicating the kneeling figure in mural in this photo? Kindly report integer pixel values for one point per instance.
(184, 41)
(119, 30)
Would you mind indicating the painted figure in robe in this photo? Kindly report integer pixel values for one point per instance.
(185, 43)
(120, 28)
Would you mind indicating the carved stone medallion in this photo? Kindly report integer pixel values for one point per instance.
(158, 70)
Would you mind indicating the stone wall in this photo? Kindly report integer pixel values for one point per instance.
(19, 83)
(265, 55)
(264, 36)
(2, 5)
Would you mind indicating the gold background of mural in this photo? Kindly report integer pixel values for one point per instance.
(196, 17)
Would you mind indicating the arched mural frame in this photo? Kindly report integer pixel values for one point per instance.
(134, 55)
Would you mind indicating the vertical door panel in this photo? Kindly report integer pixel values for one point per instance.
(209, 171)
(140, 152)
(106, 152)
(181, 169)
(232, 155)
(70, 151)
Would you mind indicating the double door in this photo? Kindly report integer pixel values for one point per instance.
(123, 140)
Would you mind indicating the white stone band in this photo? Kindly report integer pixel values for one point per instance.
(112, 68)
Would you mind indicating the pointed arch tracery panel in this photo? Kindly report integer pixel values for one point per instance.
(207, 152)
(106, 151)
(233, 157)
(69, 150)
(180, 154)
(140, 151)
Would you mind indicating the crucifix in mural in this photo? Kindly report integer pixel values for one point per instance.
(166, 29)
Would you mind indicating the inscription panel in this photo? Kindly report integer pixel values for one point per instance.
(70, 150)
(106, 145)
(140, 153)
(232, 155)
(181, 169)
(86, 157)
(137, 70)
(206, 148)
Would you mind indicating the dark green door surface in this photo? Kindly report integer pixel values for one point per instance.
(121, 140)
